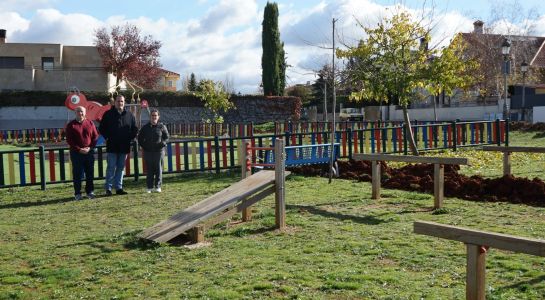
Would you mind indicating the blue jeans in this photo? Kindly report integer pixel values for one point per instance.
(115, 170)
(83, 164)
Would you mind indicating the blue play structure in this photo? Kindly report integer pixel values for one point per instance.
(302, 155)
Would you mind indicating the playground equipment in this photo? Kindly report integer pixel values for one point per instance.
(477, 244)
(222, 205)
(95, 110)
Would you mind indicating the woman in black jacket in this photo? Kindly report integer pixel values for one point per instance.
(153, 138)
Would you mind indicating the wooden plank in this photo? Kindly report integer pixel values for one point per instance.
(514, 149)
(182, 221)
(438, 185)
(477, 237)
(412, 159)
(240, 207)
(475, 273)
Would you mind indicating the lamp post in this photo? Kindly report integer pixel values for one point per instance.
(524, 70)
(505, 48)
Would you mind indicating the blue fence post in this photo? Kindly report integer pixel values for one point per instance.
(498, 131)
(454, 136)
(349, 138)
(22, 175)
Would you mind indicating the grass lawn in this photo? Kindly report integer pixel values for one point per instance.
(340, 244)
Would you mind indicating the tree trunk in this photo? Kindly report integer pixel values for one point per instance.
(412, 143)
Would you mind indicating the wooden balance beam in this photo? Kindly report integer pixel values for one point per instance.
(477, 243)
(225, 203)
(507, 150)
(438, 171)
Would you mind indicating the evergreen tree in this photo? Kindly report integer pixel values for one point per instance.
(192, 83)
(272, 61)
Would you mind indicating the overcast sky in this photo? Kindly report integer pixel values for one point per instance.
(221, 39)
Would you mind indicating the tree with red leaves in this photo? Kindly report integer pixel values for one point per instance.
(128, 55)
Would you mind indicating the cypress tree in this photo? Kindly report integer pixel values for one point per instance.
(272, 60)
(192, 83)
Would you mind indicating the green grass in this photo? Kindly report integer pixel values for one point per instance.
(340, 244)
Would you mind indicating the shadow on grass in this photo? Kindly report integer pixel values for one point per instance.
(35, 203)
(524, 285)
(539, 135)
(131, 241)
(368, 220)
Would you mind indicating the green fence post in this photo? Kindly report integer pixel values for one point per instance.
(405, 145)
(349, 138)
(498, 132)
(42, 167)
(217, 153)
(454, 135)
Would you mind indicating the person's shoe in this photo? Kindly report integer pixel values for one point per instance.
(108, 193)
(158, 190)
(91, 195)
(121, 192)
(148, 191)
(78, 197)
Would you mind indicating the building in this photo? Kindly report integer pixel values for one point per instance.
(51, 67)
(168, 81)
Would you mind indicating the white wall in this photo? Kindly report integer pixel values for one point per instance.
(539, 114)
(449, 113)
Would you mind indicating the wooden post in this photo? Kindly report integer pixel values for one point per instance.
(279, 182)
(475, 280)
(375, 180)
(506, 163)
(438, 185)
(246, 172)
(197, 234)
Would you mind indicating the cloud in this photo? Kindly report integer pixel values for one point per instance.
(227, 38)
(225, 16)
(51, 26)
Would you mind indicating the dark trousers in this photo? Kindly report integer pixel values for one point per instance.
(154, 166)
(83, 164)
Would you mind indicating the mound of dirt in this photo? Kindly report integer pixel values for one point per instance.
(419, 177)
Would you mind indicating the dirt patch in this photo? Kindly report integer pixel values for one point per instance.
(419, 177)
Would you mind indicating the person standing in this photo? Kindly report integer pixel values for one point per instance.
(82, 136)
(153, 138)
(118, 127)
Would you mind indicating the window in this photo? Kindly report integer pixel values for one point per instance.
(48, 63)
(169, 83)
(11, 62)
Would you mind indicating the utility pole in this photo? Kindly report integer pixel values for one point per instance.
(332, 157)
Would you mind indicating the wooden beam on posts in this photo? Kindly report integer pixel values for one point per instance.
(477, 243)
(438, 185)
(247, 171)
(375, 179)
(279, 182)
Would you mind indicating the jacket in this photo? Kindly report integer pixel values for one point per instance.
(153, 138)
(118, 129)
(81, 135)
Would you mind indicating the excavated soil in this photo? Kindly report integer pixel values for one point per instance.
(419, 177)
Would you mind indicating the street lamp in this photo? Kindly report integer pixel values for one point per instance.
(524, 70)
(505, 48)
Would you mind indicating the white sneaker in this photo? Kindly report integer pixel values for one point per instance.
(148, 191)
(158, 190)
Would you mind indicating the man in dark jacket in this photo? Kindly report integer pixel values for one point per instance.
(153, 138)
(118, 127)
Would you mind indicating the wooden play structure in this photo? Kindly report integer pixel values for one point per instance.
(237, 198)
(438, 167)
(507, 150)
(477, 244)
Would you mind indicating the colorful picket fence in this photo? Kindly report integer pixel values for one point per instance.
(41, 166)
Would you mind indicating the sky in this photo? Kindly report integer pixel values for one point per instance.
(221, 39)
